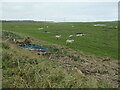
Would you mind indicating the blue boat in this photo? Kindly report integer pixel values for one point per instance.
(34, 48)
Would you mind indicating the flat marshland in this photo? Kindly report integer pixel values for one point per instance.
(99, 40)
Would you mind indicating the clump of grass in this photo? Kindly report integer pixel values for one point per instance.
(75, 58)
(9, 61)
(55, 50)
(5, 45)
(103, 71)
(10, 35)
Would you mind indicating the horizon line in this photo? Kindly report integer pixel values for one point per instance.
(57, 21)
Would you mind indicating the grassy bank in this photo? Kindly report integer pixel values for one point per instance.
(64, 68)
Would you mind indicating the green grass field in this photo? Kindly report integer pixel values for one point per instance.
(99, 41)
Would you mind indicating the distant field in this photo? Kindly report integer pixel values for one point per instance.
(98, 41)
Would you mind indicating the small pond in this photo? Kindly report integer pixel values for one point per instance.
(34, 48)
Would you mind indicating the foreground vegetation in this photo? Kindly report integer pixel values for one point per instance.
(98, 41)
(63, 68)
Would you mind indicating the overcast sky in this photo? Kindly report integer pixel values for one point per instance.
(60, 11)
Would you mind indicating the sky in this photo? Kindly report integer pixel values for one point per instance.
(59, 0)
(59, 11)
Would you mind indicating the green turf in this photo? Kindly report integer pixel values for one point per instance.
(99, 41)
